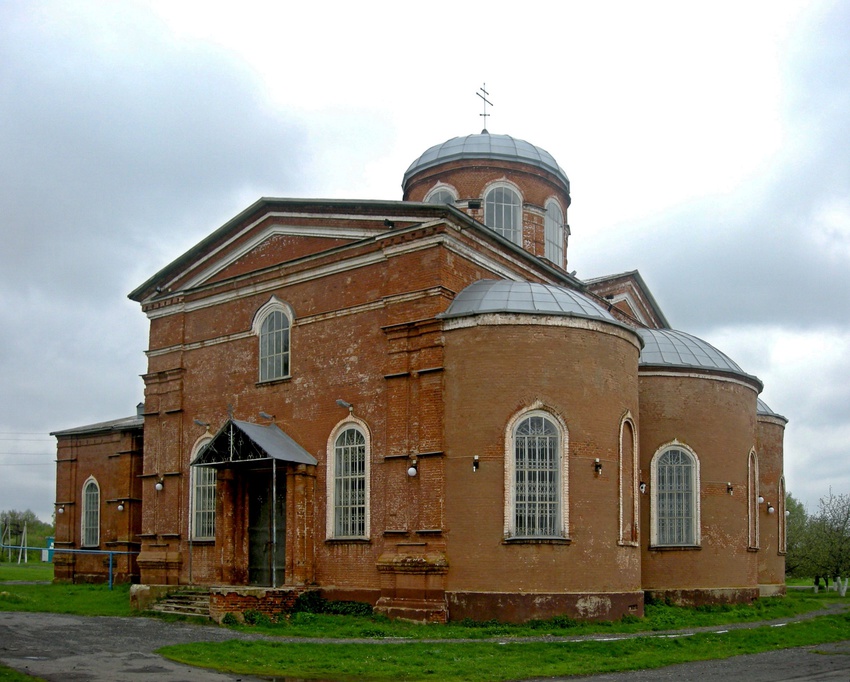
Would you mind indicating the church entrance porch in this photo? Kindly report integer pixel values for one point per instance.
(266, 493)
(265, 484)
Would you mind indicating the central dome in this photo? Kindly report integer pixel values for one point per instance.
(487, 146)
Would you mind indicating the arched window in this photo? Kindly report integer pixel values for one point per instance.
(503, 212)
(441, 194)
(203, 498)
(90, 530)
(782, 545)
(554, 233)
(272, 324)
(753, 501)
(536, 476)
(628, 481)
(348, 482)
(675, 497)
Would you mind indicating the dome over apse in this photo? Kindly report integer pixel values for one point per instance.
(671, 348)
(505, 296)
(487, 146)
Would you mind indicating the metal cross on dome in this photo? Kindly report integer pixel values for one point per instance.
(483, 89)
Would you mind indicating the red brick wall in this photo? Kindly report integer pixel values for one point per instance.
(114, 459)
(716, 419)
(589, 379)
(771, 432)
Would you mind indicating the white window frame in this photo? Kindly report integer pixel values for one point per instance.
(561, 529)
(694, 506)
(202, 501)
(553, 231)
(439, 188)
(336, 478)
(629, 486)
(90, 514)
(753, 531)
(258, 327)
(494, 212)
(782, 540)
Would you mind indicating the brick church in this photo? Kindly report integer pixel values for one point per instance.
(415, 404)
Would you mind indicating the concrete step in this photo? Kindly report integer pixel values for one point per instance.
(194, 603)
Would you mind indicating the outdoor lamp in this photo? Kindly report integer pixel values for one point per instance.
(413, 469)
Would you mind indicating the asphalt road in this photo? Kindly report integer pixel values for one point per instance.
(100, 649)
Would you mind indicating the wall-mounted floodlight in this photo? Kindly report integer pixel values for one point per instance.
(642, 487)
(729, 488)
(761, 500)
(770, 508)
(597, 466)
(206, 425)
(61, 509)
(266, 415)
(413, 469)
(475, 463)
(121, 505)
(345, 404)
(159, 484)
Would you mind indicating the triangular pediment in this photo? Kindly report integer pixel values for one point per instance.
(628, 297)
(269, 233)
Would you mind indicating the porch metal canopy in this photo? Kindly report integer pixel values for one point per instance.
(239, 442)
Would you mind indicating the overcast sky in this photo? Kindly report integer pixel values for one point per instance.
(708, 146)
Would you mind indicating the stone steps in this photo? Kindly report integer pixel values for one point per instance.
(194, 603)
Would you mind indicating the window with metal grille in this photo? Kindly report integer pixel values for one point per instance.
(503, 213)
(554, 233)
(91, 514)
(203, 503)
(274, 346)
(675, 498)
(349, 506)
(537, 500)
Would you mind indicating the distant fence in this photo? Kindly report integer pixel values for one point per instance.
(111, 553)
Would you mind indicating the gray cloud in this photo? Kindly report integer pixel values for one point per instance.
(120, 147)
(766, 253)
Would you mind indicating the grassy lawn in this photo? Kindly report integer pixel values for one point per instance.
(30, 571)
(83, 600)
(456, 661)
(510, 658)
(9, 675)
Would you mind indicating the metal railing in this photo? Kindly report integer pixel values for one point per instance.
(110, 552)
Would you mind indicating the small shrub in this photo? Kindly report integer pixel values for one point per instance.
(253, 617)
(229, 619)
(303, 618)
(314, 602)
(10, 598)
(348, 608)
(309, 602)
(563, 622)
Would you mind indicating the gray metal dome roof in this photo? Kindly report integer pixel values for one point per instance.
(505, 296)
(671, 348)
(762, 409)
(486, 146)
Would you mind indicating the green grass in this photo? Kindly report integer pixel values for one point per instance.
(82, 600)
(455, 661)
(10, 675)
(32, 571)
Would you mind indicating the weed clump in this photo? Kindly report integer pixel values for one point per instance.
(314, 602)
